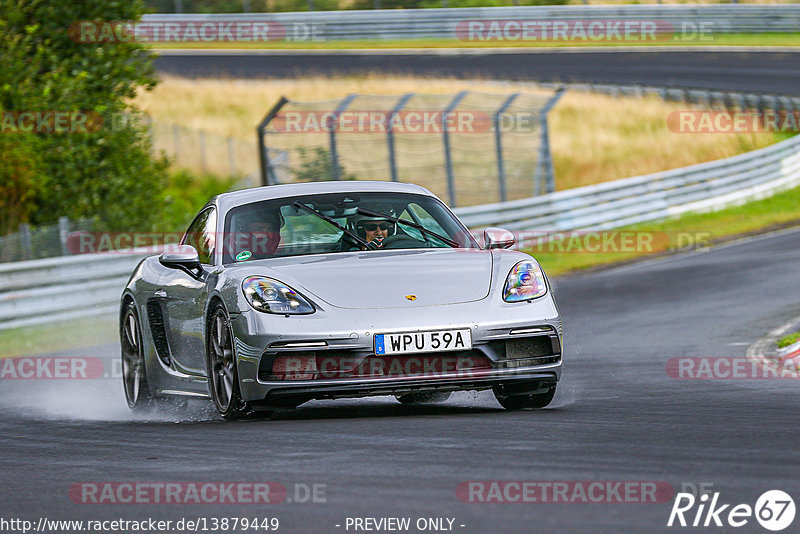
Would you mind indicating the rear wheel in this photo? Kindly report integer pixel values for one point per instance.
(525, 401)
(223, 380)
(430, 397)
(134, 375)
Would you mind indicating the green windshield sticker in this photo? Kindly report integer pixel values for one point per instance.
(243, 255)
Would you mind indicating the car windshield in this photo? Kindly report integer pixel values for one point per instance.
(340, 222)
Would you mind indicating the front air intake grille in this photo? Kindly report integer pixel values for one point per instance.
(332, 364)
(156, 319)
(528, 362)
(530, 347)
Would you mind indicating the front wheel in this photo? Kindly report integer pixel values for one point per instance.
(134, 375)
(525, 401)
(223, 380)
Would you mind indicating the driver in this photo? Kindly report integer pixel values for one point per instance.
(374, 229)
(261, 233)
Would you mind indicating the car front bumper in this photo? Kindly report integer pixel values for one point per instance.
(495, 329)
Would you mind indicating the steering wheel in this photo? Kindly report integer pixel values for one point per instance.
(401, 241)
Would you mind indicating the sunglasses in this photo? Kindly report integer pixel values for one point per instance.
(371, 227)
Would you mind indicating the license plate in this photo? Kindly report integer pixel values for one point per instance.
(432, 341)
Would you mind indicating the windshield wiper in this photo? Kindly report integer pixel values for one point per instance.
(357, 238)
(412, 224)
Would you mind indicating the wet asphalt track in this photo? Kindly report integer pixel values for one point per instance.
(757, 71)
(617, 416)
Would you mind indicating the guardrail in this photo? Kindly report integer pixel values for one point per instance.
(46, 290)
(53, 289)
(451, 23)
(707, 98)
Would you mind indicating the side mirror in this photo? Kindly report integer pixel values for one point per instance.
(498, 238)
(183, 257)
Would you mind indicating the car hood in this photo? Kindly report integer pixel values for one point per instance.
(390, 279)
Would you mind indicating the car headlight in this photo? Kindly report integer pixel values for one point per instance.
(524, 282)
(270, 296)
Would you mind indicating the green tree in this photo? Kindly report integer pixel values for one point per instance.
(108, 174)
(19, 169)
(316, 165)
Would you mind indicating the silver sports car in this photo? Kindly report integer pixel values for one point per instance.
(282, 294)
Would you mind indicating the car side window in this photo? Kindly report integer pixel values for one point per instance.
(202, 235)
(414, 212)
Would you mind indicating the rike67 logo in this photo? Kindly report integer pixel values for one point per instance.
(774, 510)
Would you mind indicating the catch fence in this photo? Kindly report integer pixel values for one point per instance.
(467, 147)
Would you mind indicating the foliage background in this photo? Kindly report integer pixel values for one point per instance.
(263, 6)
(109, 175)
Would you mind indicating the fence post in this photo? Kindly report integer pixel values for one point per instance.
(498, 145)
(151, 136)
(231, 156)
(390, 133)
(63, 232)
(267, 175)
(742, 102)
(448, 160)
(201, 138)
(246, 6)
(310, 5)
(545, 161)
(332, 124)
(178, 6)
(176, 140)
(25, 240)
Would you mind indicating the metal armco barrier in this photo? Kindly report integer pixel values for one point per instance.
(398, 24)
(52, 289)
(42, 291)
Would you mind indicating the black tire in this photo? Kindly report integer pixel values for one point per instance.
(522, 402)
(134, 372)
(223, 376)
(429, 397)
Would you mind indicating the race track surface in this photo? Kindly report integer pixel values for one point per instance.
(617, 416)
(748, 71)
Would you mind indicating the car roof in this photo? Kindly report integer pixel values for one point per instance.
(226, 201)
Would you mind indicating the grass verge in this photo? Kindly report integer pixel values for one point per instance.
(788, 340)
(729, 39)
(704, 229)
(56, 337)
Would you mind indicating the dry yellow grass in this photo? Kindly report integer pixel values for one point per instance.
(234, 107)
(594, 138)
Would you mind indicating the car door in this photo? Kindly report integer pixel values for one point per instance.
(185, 296)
